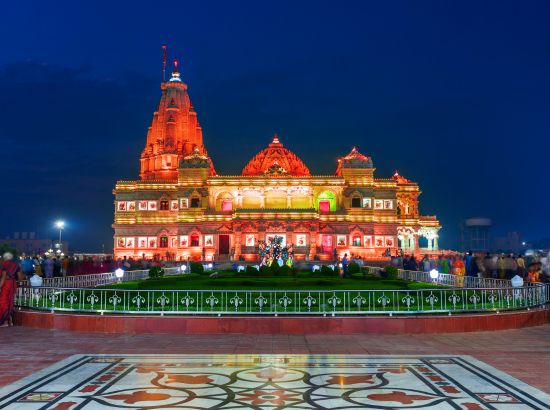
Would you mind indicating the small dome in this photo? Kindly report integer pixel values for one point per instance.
(400, 179)
(276, 160)
(353, 160)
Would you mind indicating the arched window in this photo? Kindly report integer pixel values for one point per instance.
(195, 202)
(326, 201)
(356, 201)
(163, 242)
(356, 240)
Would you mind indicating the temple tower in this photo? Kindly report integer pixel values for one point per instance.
(174, 132)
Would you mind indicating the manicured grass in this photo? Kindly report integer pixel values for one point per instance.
(303, 281)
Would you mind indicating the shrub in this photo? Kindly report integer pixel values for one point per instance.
(353, 268)
(326, 271)
(252, 271)
(389, 272)
(197, 267)
(285, 271)
(265, 270)
(156, 272)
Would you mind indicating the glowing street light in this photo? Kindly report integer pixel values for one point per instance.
(434, 274)
(60, 224)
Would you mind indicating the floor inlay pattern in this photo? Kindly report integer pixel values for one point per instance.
(272, 382)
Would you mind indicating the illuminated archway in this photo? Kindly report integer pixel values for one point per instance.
(326, 201)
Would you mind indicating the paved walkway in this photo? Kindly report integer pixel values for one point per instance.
(522, 353)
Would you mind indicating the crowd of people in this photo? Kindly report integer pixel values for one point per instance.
(532, 268)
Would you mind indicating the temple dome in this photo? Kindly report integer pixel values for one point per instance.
(353, 160)
(400, 179)
(275, 160)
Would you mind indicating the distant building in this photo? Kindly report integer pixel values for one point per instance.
(29, 244)
(475, 234)
(511, 242)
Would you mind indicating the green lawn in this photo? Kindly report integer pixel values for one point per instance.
(303, 281)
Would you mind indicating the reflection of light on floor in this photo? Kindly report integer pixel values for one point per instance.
(305, 381)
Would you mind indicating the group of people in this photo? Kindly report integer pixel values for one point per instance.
(532, 269)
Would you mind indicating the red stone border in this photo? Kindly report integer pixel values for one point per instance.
(282, 324)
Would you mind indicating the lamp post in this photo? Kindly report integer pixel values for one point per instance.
(60, 225)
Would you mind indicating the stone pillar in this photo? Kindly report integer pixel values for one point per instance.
(436, 245)
(262, 200)
(237, 243)
(313, 238)
(288, 201)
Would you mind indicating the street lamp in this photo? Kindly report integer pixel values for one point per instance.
(60, 225)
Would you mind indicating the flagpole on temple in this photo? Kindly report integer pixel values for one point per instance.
(163, 63)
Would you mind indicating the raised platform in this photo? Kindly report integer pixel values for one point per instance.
(135, 324)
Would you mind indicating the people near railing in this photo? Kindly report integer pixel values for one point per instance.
(10, 273)
(533, 274)
(426, 265)
(410, 263)
(443, 264)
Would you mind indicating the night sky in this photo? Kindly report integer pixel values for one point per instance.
(455, 95)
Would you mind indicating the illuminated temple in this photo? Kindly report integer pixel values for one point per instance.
(181, 208)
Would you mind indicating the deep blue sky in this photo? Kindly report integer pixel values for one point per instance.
(456, 95)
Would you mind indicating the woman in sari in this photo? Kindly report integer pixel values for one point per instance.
(8, 285)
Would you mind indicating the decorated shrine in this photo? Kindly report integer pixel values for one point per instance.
(181, 209)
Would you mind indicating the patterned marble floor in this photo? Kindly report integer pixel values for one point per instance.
(271, 382)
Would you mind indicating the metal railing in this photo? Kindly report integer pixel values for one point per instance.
(453, 280)
(97, 279)
(280, 302)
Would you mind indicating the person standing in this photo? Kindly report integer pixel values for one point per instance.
(27, 266)
(426, 265)
(521, 266)
(345, 265)
(65, 266)
(48, 268)
(10, 273)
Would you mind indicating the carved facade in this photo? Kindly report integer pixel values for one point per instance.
(180, 208)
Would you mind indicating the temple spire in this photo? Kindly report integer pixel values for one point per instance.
(175, 72)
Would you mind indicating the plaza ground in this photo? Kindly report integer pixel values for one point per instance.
(522, 353)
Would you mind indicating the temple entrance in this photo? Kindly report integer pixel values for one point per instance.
(224, 245)
(326, 244)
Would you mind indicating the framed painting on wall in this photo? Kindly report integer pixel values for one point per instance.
(173, 242)
(142, 242)
(184, 241)
(152, 205)
(341, 240)
(378, 204)
(367, 241)
(249, 239)
(131, 206)
(121, 243)
(208, 240)
(130, 242)
(142, 206)
(152, 240)
(300, 239)
(379, 241)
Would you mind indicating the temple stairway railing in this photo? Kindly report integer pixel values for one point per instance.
(97, 279)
